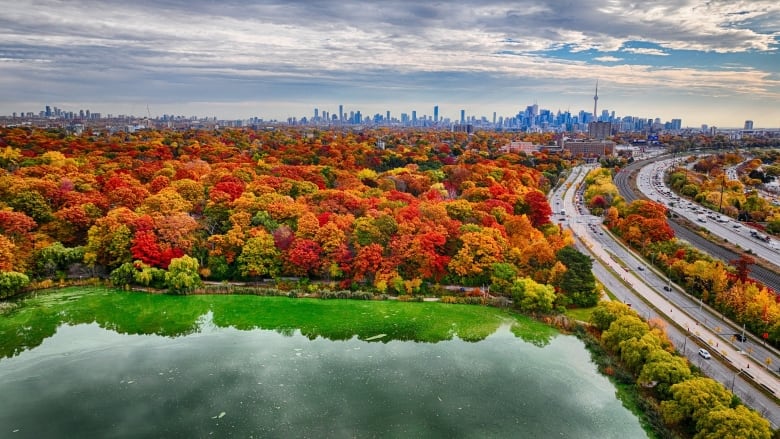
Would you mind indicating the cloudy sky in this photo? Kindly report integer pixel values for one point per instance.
(713, 62)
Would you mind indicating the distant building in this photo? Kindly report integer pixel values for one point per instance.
(748, 124)
(599, 130)
(463, 128)
(517, 147)
(589, 148)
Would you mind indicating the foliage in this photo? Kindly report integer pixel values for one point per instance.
(12, 282)
(607, 312)
(739, 422)
(530, 296)
(578, 282)
(693, 399)
(182, 276)
(335, 207)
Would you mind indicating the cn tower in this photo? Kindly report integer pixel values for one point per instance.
(596, 100)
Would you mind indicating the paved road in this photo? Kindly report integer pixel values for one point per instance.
(650, 182)
(767, 277)
(730, 364)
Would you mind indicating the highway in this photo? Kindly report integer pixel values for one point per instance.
(770, 278)
(650, 181)
(695, 325)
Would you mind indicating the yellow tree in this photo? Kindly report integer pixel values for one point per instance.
(479, 251)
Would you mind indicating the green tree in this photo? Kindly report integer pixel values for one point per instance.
(622, 329)
(502, 277)
(123, 275)
(57, 257)
(259, 256)
(149, 276)
(737, 423)
(33, 204)
(262, 218)
(635, 351)
(182, 276)
(607, 312)
(663, 370)
(12, 282)
(578, 281)
(692, 399)
(531, 296)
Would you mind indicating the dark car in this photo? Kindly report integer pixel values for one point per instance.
(740, 337)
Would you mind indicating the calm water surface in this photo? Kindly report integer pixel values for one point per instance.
(90, 382)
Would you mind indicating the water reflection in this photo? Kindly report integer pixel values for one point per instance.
(37, 318)
(88, 382)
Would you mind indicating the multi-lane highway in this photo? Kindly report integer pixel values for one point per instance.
(650, 181)
(632, 281)
(768, 277)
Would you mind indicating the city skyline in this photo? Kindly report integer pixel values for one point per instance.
(705, 62)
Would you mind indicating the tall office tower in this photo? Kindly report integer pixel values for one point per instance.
(596, 99)
(748, 124)
(436, 114)
(316, 113)
(494, 118)
(388, 116)
(341, 113)
(48, 111)
(462, 117)
(676, 124)
(414, 117)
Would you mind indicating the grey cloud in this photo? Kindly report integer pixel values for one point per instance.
(222, 50)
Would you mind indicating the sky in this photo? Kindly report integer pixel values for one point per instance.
(706, 62)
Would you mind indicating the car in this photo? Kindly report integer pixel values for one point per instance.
(667, 288)
(740, 337)
(640, 268)
(704, 354)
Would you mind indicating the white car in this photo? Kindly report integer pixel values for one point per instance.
(704, 354)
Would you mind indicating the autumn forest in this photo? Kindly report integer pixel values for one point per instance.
(427, 208)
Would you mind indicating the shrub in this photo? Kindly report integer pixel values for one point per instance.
(182, 276)
(12, 282)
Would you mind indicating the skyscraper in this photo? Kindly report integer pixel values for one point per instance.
(596, 99)
(436, 114)
(748, 124)
(341, 113)
(462, 117)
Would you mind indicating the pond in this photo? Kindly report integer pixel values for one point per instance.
(99, 363)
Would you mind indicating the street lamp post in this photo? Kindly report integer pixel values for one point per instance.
(733, 379)
(685, 342)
